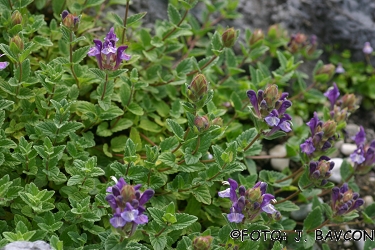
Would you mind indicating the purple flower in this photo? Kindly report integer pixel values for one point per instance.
(272, 119)
(320, 171)
(235, 215)
(339, 69)
(360, 137)
(314, 123)
(357, 156)
(3, 65)
(308, 147)
(332, 94)
(107, 54)
(367, 49)
(127, 203)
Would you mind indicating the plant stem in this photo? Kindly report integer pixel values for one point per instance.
(147, 139)
(71, 58)
(301, 92)
(203, 67)
(172, 31)
(290, 176)
(252, 142)
(161, 231)
(125, 19)
(105, 86)
(10, 5)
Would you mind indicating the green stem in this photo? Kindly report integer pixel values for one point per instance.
(161, 231)
(252, 142)
(71, 59)
(10, 5)
(172, 31)
(203, 67)
(125, 19)
(105, 86)
(290, 176)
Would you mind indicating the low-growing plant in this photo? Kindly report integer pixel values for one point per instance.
(123, 137)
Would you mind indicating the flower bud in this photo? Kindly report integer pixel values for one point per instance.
(253, 194)
(217, 121)
(202, 123)
(271, 95)
(349, 101)
(17, 40)
(256, 37)
(128, 193)
(16, 17)
(198, 88)
(328, 69)
(329, 129)
(202, 242)
(70, 21)
(229, 37)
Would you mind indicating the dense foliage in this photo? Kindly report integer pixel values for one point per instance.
(116, 136)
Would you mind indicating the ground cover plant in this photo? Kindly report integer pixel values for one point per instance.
(117, 136)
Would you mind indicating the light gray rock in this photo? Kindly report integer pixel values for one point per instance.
(278, 163)
(348, 148)
(336, 176)
(302, 213)
(25, 245)
(368, 200)
(351, 130)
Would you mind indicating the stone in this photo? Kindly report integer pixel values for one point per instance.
(302, 213)
(368, 200)
(351, 130)
(26, 245)
(336, 176)
(278, 163)
(348, 148)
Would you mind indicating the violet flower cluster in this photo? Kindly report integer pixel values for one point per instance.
(344, 200)
(340, 109)
(271, 106)
(322, 136)
(127, 203)
(320, 171)
(363, 157)
(107, 54)
(250, 203)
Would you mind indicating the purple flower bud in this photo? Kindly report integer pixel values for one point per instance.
(233, 188)
(242, 190)
(146, 196)
(254, 101)
(64, 14)
(283, 96)
(316, 174)
(263, 187)
(331, 165)
(355, 196)
(286, 104)
(324, 182)
(313, 166)
(326, 146)
(335, 195)
(359, 202)
(260, 94)
(332, 94)
(344, 188)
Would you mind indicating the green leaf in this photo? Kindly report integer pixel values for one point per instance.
(216, 41)
(183, 221)
(80, 54)
(176, 129)
(148, 125)
(173, 14)
(169, 159)
(135, 109)
(272, 176)
(287, 206)
(114, 18)
(346, 170)
(135, 18)
(43, 41)
(158, 243)
(313, 219)
(184, 67)
(202, 194)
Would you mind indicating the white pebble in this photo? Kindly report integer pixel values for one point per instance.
(348, 148)
(336, 176)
